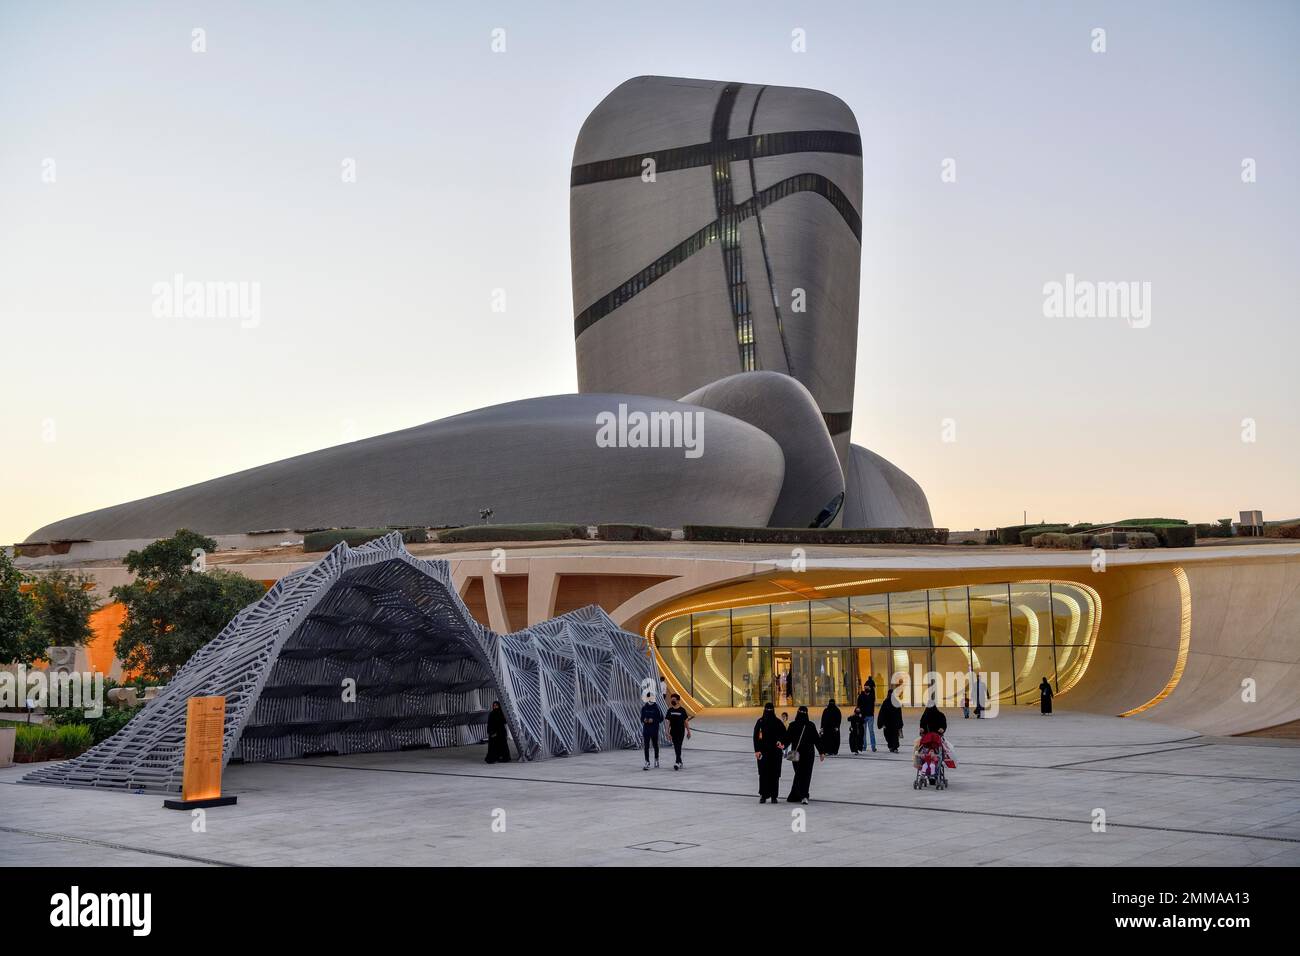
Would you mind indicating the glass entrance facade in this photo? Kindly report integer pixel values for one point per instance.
(806, 652)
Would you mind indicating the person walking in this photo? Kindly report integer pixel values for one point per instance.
(769, 742)
(679, 727)
(651, 718)
(663, 687)
(1045, 697)
(831, 719)
(856, 733)
(979, 698)
(867, 704)
(933, 720)
(890, 722)
(498, 743)
(965, 707)
(802, 743)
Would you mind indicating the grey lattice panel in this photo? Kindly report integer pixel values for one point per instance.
(425, 673)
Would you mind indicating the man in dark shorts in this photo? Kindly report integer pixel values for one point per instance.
(678, 726)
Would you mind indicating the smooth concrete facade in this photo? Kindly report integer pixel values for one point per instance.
(878, 494)
(535, 460)
(773, 286)
(784, 409)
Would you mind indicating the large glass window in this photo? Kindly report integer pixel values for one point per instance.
(830, 622)
(751, 626)
(990, 615)
(711, 628)
(869, 620)
(949, 623)
(798, 652)
(711, 673)
(909, 620)
(790, 624)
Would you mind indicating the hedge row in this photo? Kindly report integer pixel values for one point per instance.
(699, 532)
(632, 532)
(512, 532)
(355, 537)
(1087, 540)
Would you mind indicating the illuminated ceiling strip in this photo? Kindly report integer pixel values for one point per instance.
(752, 601)
(1184, 643)
(1095, 600)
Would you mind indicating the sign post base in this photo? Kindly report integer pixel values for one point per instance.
(196, 804)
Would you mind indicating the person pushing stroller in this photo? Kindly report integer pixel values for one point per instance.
(932, 756)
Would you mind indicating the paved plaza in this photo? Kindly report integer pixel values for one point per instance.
(1025, 792)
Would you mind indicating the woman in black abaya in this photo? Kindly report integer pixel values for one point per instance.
(498, 742)
(1044, 697)
(890, 720)
(802, 736)
(769, 734)
(831, 719)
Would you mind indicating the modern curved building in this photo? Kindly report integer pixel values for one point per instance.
(716, 228)
(716, 245)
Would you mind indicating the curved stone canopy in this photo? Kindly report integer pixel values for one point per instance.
(530, 461)
(784, 409)
(879, 494)
(425, 674)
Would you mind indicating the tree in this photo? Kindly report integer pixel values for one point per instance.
(174, 606)
(19, 642)
(62, 603)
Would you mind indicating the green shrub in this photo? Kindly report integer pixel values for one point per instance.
(695, 532)
(632, 532)
(355, 537)
(37, 742)
(1147, 522)
(75, 738)
(512, 532)
(1027, 536)
(1059, 540)
(1177, 536)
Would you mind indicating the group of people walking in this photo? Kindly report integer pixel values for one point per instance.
(775, 741)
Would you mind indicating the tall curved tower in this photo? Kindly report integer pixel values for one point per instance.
(716, 228)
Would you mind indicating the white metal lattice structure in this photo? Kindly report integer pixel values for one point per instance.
(425, 674)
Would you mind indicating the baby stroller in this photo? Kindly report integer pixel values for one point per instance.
(932, 757)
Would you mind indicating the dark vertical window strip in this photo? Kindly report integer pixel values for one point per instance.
(729, 220)
(762, 242)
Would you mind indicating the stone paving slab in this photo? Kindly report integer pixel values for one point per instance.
(1024, 793)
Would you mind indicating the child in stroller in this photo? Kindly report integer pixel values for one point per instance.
(932, 756)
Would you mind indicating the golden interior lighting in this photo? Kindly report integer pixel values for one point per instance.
(1184, 643)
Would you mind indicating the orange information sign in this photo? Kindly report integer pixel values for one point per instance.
(205, 724)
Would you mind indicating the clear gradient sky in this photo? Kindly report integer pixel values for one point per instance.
(376, 295)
